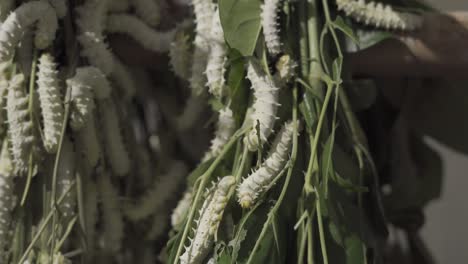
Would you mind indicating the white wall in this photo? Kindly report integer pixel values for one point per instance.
(446, 229)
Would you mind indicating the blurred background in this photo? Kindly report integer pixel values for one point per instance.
(445, 231)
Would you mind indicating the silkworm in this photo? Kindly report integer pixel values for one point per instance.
(148, 10)
(191, 112)
(180, 55)
(149, 38)
(270, 26)
(114, 146)
(225, 128)
(15, 25)
(95, 78)
(124, 79)
(204, 12)
(91, 22)
(82, 102)
(160, 223)
(260, 180)
(179, 213)
(20, 125)
(111, 214)
(50, 99)
(3, 104)
(5, 8)
(211, 214)
(88, 140)
(60, 6)
(264, 107)
(215, 68)
(65, 179)
(379, 15)
(7, 199)
(24, 53)
(159, 193)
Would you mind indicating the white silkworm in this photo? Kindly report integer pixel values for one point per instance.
(24, 53)
(118, 5)
(111, 214)
(20, 125)
(60, 7)
(7, 200)
(161, 191)
(65, 179)
(149, 38)
(260, 180)
(91, 22)
(270, 26)
(50, 99)
(211, 214)
(114, 145)
(90, 146)
(217, 58)
(180, 55)
(95, 78)
(82, 102)
(191, 112)
(264, 107)
(148, 10)
(14, 27)
(204, 12)
(124, 79)
(379, 15)
(3, 104)
(225, 128)
(179, 213)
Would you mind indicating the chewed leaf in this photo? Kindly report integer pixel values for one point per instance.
(241, 24)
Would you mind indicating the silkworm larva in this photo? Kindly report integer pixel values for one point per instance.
(264, 107)
(111, 214)
(124, 79)
(14, 27)
(50, 99)
(149, 38)
(95, 78)
(260, 180)
(204, 11)
(88, 140)
(270, 25)
(148, 10)
(180, 55)
(114, 145)
(158, 227)
(211, 214)
(65, 179)
(20, 125)
(181, 210)
(91, 22)
(159, 193)
(3, 104)
(82, 102)
(225, 128)
(217, 58)
(7, 200)
(5, 8)
(379, 15)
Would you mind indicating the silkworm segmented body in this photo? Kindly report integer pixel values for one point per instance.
(148, 10)
(211, 214)
(7, 199)
(181, 209)
(260, 180)
(379, 15)
(114, 145)
(20, 125)
(225, 129)
(217, 58)
(111, 214)
(95, 78)
(88, 140)
(16, 24)
(159, 193)
(82, 102)
(137, 29)
(50, 98)
(270, 26)
(264, 107)
(180, 55)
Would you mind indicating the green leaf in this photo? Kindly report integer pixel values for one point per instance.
(238, 90)
(368, 39)
(241, 24)
(354, 250)
(326, 160)
(340, 24)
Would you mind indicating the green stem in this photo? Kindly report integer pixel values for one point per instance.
(323, 245)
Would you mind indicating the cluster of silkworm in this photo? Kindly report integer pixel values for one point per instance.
(379, 15)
